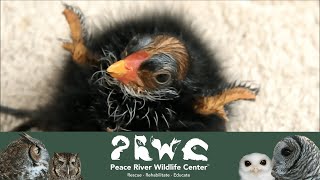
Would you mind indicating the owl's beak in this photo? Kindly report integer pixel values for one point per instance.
(255, 170)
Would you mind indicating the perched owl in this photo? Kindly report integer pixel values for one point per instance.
(65, 166)
(296, 158)
(24, 159)
(255, 166)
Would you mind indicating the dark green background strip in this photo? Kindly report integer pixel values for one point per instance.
(225, 151)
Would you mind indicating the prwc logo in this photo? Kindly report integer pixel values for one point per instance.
(141, 154)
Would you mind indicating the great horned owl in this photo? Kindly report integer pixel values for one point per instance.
(255, 166)
(66, 166)
(26, 158)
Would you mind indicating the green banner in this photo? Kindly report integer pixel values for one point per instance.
(217, 155)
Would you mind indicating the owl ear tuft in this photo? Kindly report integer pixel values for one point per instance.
(56, 154)
(27, 137)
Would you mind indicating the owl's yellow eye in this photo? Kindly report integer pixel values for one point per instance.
(35, 152)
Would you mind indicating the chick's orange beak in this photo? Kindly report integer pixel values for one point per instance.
(126, 70)
(118, 69)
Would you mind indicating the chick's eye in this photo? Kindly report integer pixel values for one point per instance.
(247, 163)
(163, 78)
(263, 162)
(286, 152)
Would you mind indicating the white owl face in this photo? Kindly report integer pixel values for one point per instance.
(255, 164)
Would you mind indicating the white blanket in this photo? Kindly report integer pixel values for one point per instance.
(273, 43)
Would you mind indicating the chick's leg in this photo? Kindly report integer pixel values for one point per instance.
(216, 104)
(77, 48)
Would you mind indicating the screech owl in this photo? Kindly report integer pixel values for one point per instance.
(66, 166)
(24, 159)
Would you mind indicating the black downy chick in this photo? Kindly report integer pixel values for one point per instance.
(151, 73)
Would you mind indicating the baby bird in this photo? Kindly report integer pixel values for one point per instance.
(149, 73)
(26, 158)
(255, 166)
(296, 158)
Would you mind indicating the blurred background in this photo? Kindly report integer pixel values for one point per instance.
(275, 44)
